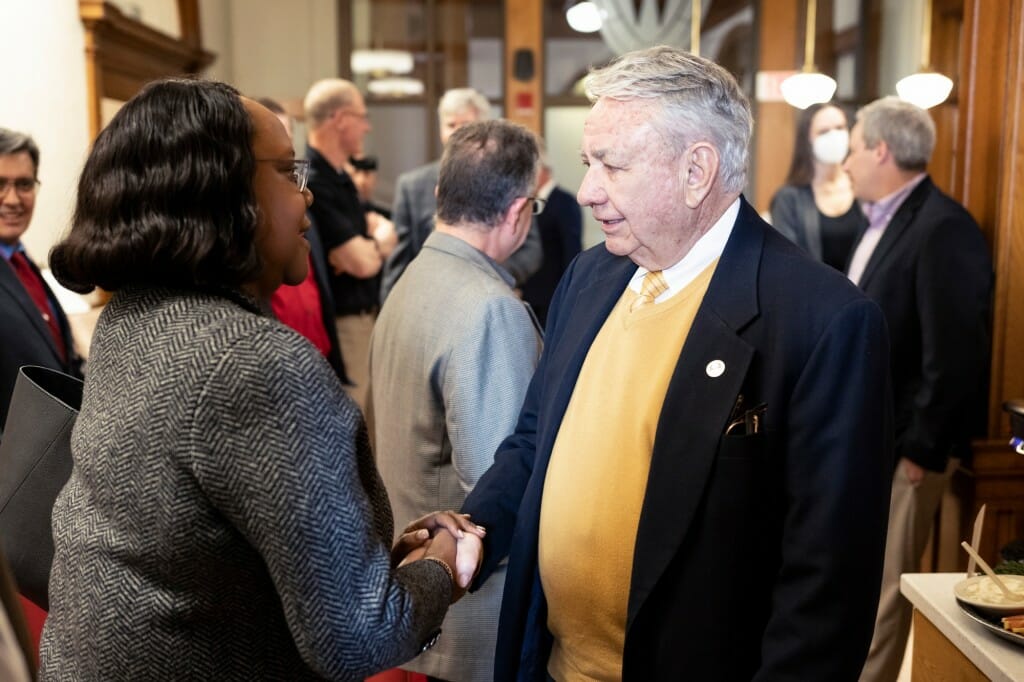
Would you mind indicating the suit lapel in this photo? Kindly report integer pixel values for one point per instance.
(697, 407)
(895, 230)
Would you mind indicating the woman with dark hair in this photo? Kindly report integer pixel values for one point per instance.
(224, 518)
(815, 208)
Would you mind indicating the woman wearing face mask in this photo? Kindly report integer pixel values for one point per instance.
(815, 208)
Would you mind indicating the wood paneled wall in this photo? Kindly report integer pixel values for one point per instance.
(524, 33)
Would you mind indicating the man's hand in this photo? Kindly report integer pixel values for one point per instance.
(914, 472)
(408, 545)
(358, 257)
(383, 232)
(456, 524)
(468, 558)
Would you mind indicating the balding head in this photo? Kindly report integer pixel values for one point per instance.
(325, 97)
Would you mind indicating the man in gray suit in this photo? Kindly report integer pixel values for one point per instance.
(416, 203)
(451, 356)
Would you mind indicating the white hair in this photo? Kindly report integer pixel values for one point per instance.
(700, 100)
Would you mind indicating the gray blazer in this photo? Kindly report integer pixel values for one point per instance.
(413, 216)
(795, 215)
(224, 519)
(452, 354)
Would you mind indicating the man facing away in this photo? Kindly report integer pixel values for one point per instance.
(452, 354)
(338, 122)
(924, 260)
(33, 328)
(697, 484)
(416, 202)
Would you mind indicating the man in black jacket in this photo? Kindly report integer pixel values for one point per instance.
(33, 328)
(924, 261)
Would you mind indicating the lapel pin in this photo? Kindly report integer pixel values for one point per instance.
(715, 369)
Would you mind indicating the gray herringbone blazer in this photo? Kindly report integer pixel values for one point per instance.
(452, 354)
(224, 519)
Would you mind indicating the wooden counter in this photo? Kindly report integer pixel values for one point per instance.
(948, 645)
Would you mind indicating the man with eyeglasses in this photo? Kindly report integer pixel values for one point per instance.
(33, 328)
(416, 203)
(452, 354)
(337, 124)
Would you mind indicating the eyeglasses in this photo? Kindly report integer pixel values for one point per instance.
(538, 205)
(359, 114)
(299, 169)
(22, 186)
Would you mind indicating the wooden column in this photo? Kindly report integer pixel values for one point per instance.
(780, 30)
(979, 160)
(524, 35)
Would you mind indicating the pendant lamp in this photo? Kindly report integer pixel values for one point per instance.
(927, 87)
(809, 86)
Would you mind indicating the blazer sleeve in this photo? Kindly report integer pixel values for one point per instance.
(484, 384)
(837, 475)
(953, 288)
(285, 458)
(495, 501)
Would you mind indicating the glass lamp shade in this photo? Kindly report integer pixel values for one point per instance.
(803, 89)
(924, 89)
(584, 17)
(395, 87)
(381, 61)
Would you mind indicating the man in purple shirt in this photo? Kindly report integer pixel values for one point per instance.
(924, 260)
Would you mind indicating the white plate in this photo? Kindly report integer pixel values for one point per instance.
(994, 626)
(967, 591)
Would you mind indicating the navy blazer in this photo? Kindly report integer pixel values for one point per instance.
(25, 338)
(932, 276)
(757, 556)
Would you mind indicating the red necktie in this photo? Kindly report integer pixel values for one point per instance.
(33, 284)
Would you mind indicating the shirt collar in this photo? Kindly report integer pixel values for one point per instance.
(705, 252)
(8, 251)
(880, 212)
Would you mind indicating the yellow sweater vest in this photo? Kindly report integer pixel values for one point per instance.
(595, 483)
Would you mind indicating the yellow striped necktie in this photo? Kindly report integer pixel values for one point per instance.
(654, 285)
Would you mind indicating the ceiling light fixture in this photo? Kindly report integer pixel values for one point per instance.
(381, 61)
(927, 87)
(808, 87)
(395, 87)
(584, 17)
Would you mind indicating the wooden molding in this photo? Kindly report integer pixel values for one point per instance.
(123, 54)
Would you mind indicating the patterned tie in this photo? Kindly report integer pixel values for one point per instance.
(654, 285)
(36, 290)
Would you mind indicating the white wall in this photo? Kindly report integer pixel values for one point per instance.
(43, 59)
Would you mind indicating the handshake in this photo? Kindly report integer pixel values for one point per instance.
(448, 538)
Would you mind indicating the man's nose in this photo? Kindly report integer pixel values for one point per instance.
(589, 192)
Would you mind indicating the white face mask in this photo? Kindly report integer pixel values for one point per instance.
(831, 147)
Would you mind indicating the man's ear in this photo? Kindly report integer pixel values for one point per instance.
(515, 210)
(700, 170)
(881, 151)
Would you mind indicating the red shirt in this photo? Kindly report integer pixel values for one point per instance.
(298, 307)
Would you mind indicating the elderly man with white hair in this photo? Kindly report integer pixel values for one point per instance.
(698, 482)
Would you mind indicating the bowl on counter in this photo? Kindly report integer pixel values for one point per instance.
(984, 595)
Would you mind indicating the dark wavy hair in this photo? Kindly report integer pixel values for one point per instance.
(166, 196)
(485, 166)
(801, 167)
